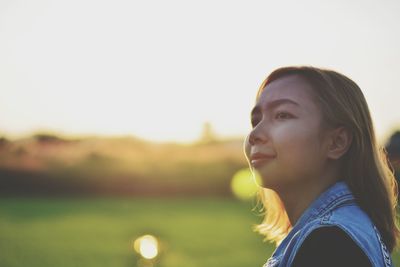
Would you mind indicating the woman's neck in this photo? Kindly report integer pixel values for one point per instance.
(299, 197)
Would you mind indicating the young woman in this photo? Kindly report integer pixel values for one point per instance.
(328, 191)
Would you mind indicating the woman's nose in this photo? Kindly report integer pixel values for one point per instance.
(257, 136)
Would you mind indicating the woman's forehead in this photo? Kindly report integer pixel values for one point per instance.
(292, 89)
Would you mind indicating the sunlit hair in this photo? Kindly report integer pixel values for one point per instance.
(365, 166)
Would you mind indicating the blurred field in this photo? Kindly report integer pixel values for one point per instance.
(49, 165)
(99, 232)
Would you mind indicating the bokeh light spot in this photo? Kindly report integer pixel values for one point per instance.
(146, 246)
(245, 184)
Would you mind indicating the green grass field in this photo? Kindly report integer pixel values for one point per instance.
(99, 232)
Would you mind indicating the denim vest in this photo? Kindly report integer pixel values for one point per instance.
(336, 206)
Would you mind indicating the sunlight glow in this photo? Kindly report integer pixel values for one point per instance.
(146, 246)
(158, 70)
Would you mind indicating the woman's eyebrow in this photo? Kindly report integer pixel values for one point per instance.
(273, 104)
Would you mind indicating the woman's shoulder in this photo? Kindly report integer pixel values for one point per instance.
(347, 227)
(353, 221)
(330, 246)
(351, 218)
(350, 211)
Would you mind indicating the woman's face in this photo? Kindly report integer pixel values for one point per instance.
(286, 127)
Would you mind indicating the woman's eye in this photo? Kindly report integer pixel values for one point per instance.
(282, 115)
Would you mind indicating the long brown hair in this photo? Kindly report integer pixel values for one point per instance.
(366, 168)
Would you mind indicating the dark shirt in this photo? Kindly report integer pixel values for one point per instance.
(328, 247)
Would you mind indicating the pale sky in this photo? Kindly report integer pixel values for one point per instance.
(160, 69)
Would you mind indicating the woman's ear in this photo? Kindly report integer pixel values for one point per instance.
(340, 141)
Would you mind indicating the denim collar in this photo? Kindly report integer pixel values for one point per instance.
(336, 194)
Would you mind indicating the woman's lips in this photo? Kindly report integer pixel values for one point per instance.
(259, 161)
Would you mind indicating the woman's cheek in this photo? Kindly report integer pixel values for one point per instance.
(301, 156)
(295, 150)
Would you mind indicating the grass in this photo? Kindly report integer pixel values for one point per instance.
(99, 232)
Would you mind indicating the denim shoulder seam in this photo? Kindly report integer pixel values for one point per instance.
(332, 204)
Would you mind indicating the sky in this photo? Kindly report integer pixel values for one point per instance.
(161, 69)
